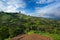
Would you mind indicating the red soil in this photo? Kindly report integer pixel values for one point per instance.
(31, 37)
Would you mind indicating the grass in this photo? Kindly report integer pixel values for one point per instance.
(31, 32)
(54, 36)
(8, 39)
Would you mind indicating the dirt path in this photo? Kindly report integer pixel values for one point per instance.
(31, 37)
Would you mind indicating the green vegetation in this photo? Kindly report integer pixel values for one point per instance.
(13, 24)
(53, 36)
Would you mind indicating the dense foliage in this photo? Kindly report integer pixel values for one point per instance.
(12, 24)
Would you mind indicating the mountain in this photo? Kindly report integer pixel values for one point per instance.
(12, 24)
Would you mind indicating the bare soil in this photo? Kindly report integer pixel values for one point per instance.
(31, 37)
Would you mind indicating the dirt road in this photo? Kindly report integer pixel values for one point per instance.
(31, 37)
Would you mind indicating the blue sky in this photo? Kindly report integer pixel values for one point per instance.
(39, 8)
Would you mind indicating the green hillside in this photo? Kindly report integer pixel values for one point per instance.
(12, 24)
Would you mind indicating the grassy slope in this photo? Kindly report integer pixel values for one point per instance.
(54, 36)
(36, 20)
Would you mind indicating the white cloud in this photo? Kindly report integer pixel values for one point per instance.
(48, 11)
(2, 7)
(10, 9)
(17, 3)
(44, 1)
(25, 12)
(11, 5)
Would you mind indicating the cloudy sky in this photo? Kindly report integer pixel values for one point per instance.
(39, 8)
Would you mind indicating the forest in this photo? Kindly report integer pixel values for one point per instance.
(13, 24)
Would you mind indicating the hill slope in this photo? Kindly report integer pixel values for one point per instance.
(12, 24)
